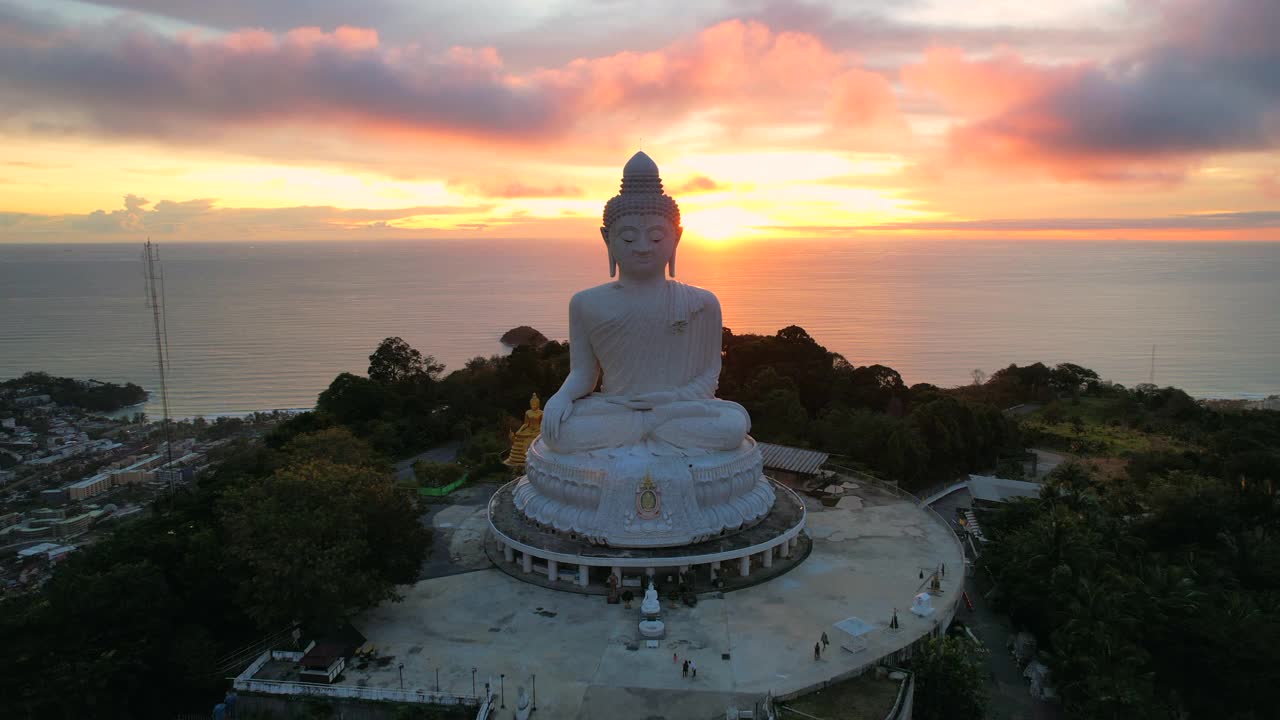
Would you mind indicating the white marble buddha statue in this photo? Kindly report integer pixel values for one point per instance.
(635, 449)
(651, 344)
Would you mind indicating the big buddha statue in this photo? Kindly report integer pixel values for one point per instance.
(651, 458)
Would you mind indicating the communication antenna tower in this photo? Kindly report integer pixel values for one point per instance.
(1152, 378)
(154, 285)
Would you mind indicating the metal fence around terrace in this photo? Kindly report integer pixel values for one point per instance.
(354, 692)
(245, 683)
(890, 487)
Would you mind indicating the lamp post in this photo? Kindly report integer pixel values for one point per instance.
(473, 681)
(502, 688)
(402, 676)
(535, 692)
(437, 680)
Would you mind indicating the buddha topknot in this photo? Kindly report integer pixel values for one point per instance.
(641, 193)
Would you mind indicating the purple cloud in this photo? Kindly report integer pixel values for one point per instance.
(1205, 83)
(201, 218)
(123, 79)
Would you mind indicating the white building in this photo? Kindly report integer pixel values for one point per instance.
(89, 487)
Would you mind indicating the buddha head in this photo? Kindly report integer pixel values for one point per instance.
(534, 402)
(641, 223)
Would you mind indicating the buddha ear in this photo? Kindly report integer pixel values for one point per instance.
(671, 264)
(613, 264)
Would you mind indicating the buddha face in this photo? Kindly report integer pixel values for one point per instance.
(642, 245)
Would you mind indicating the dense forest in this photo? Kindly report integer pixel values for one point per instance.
(796, 391)
(1149, 567)
(1156, 591)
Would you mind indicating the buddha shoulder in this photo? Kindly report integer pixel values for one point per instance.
(592, 304)
(705, 298)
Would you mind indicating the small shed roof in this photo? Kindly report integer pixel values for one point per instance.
(322, 655)
(796, 460)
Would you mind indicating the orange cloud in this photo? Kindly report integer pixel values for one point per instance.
(515, 189)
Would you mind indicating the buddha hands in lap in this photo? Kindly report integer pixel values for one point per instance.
(655, 341)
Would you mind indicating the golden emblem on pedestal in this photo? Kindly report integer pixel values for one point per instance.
(648, 501)
(521, 439)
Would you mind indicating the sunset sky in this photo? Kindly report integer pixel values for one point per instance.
(194, 120)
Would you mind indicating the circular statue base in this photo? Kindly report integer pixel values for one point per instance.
(568, 561)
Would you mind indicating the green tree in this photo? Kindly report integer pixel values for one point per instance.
(396, 361)
(777, 413)
(436, 474)
(950, 681)
(352, 400)
(335, 444)
(321, 540)
(99, 639)
(906, 457)
(1069, 378)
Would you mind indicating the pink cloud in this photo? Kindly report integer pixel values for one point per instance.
(696, 184)
(1269, 185)
(743, 72)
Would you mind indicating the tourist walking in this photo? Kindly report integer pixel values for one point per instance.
(825, 641)
(817, 650)
(684, 669)
(693, 669)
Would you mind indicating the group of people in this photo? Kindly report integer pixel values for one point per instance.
(820, 646)
(688, 668)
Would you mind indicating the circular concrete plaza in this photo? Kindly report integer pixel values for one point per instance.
(868, 553)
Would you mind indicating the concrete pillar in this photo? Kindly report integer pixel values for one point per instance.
(526, 562)
(583, 575)
(617, 570)
(553, 570)
(744, 565)
(650, 572)
(786, 549)
(684, 568)
(766, 558)
(508, 554)
(715, 565)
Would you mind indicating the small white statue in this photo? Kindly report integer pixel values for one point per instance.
(650, 604)
(523, 708)
(922, 605)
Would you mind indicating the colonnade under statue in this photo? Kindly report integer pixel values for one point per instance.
(552, 566)
(528, 550)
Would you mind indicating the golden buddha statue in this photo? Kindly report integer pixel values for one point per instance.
(521, 439)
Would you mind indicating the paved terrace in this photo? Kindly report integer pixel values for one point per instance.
(866, 560)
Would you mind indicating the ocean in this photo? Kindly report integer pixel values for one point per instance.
(268, 325)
